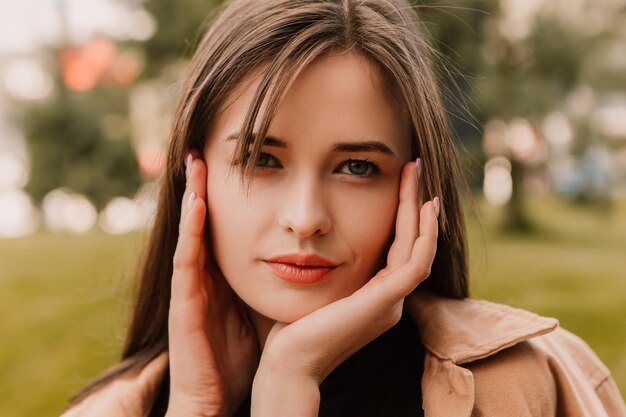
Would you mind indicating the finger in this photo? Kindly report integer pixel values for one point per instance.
(420, 189)
(190, 246)
(407, 219)
(195, 172)
(187, 340)
(424, 249)
(187, 316)
(329, 335)
(405, 279)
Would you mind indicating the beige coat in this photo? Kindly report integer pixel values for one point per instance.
(482, 360)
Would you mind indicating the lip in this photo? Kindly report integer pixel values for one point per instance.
(301, 269)
(298, 259)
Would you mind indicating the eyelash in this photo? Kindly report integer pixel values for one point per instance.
(375, 169)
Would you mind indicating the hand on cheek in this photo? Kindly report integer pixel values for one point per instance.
(213, 348)
(310, 348)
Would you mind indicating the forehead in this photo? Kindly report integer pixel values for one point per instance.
(337, 98)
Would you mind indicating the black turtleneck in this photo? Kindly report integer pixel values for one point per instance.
(382, 379)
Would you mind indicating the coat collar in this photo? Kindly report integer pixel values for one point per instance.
(453, 332)
(466, 330)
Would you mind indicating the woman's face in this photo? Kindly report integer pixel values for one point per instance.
(326, 185)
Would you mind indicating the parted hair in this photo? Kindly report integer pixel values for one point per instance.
(281, 38)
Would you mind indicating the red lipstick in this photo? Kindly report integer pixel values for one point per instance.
(301, 269)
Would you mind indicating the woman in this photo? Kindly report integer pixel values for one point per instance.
(293, 269)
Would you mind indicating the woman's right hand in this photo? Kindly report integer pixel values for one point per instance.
(213, 348)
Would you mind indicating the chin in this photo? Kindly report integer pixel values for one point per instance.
(288, 313)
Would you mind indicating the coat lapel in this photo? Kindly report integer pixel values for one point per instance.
(456, 332)
(447, 389)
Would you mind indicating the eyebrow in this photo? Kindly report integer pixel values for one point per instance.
(364, 146)
(269, 141)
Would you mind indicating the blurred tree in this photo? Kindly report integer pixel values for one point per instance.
(80, 136)
(531, 59)
(70, 148)
(80, 139)
(180, 25)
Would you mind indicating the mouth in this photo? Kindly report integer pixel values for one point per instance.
(301, 268)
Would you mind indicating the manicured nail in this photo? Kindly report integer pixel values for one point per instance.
(418, 166)
(192, 197)
(437, 205)
(188, 162)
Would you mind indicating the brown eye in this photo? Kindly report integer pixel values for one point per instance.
(263, 160)
(360, 168)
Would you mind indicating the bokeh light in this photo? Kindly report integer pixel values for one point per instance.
(25, 79)
(558, 131)
(18, 216)
(65, 211)
(83, 67)
(610, 119)
(123, 215)
(14, 170)
(498, 184)
(524, 141)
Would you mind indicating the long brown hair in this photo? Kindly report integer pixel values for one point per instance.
(282, 37)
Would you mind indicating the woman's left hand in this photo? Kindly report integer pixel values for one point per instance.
(306, 351)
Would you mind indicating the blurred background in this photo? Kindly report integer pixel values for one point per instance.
(536, 90)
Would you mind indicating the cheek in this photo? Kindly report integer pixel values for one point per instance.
(367, 221)
(237, 222)
(233, 213)
(229, 218)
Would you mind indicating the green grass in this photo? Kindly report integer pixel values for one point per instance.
(63, 304)
(64, 300)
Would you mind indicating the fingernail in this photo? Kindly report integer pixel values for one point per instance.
(437, 205)
(188, 162)
(192, 197)
(418, 166)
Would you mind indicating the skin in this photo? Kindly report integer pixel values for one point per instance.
(233, 323)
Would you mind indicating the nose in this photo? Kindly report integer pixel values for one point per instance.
(304, 211)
